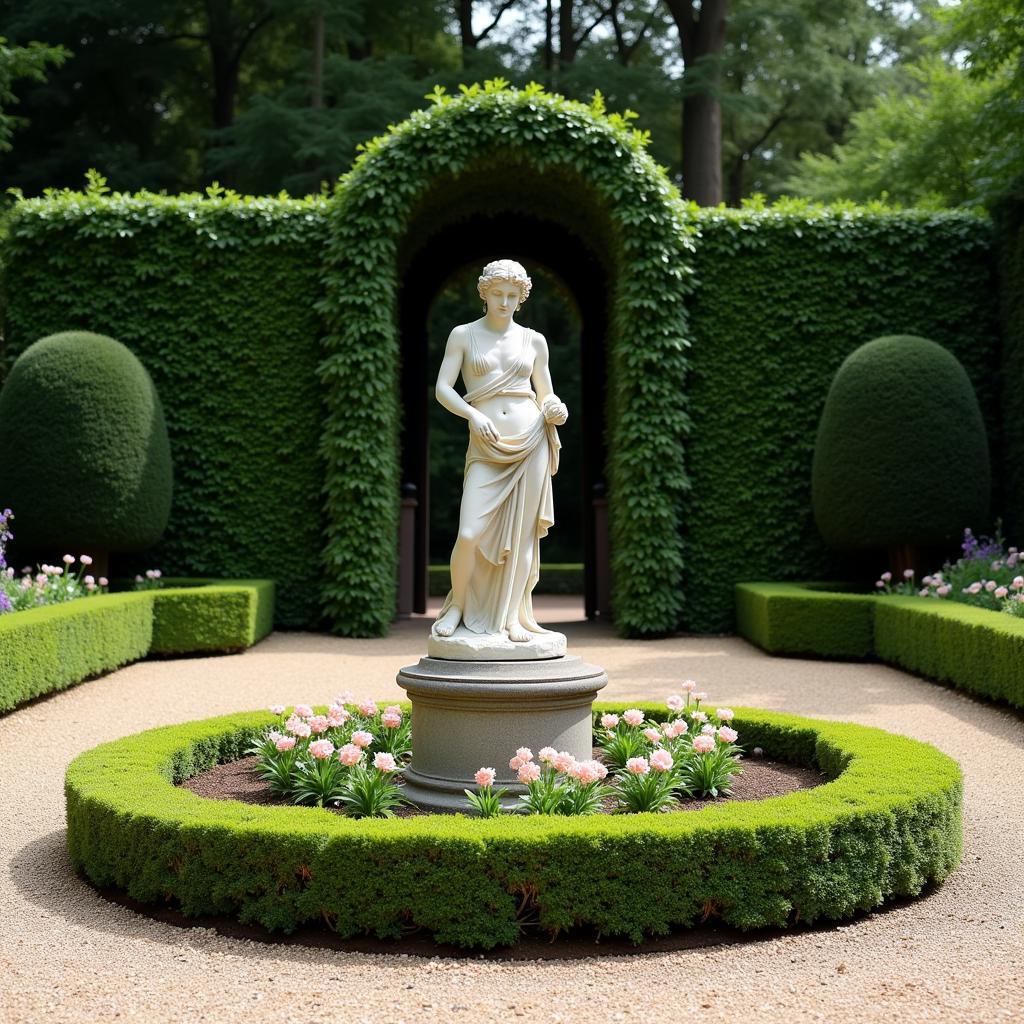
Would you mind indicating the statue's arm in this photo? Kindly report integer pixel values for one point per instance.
(551, 405)
(444, 389)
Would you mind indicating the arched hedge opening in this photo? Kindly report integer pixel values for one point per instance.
(586, 169)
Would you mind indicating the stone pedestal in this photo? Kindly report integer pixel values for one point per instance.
(468, 715)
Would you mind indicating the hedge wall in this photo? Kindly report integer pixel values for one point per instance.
(888, 825)
(1010, 223)
(216, 295)
(783, 296)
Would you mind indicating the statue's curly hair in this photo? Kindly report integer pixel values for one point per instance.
(505, 270)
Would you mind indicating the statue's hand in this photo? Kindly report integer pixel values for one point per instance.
(482, 427)
(556, 413)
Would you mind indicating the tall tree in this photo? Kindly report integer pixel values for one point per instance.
(22, 62)
(701, 25)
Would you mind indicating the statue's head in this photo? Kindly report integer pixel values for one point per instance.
(505, 270)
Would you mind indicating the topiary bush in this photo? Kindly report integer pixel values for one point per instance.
(84, 448)
(901, 456)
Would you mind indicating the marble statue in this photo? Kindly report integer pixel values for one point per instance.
(507, 505)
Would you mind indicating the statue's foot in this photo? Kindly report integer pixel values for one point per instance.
(447, 624)
(516, 633)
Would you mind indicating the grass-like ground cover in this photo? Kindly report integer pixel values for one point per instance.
(886, 825)
(46, 649)
(974, 649)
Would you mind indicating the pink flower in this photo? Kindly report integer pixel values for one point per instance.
(1001, 592)
(528, 772)
(319, 724)
(589, 772)
(368, 708)
(393, 709)
(103, 581)
(990, 585)
(362, 738)
(485, 777)
(943, 590)
(698, 697)
(661, 761)
(321, 749)
(344, 698)
(637, 766)
(703, 744)
(652, 735)
(707, 730)
(68, 559)
(698, 716)
(297, 727)
(727, 735)
(879, 583)
(675, 702)
(546, 754)
(277, 709)
(350, 754)
(633, 716)
(886, 577)
(303, 711)
(85, 559)
(908, 574)
(516, 763)
(524, 754)
(679, 727)
(285, 743)
(689, 686)
(384, 762)
(337, 717)
(1018, 583)
(725, 714)
(974, 588)
(609, 721)
(390, 720)
(563, 761)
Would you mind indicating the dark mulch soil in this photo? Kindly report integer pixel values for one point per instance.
(760, 780)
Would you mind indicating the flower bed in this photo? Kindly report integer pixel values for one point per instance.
(888, 824)
(974, 649)
(50, 648)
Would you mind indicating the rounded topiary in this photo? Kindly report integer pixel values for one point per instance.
(901, 456)
(84, 458)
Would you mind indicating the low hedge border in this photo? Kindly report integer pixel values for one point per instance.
(979, 651)
(44, 650)
(886, 826)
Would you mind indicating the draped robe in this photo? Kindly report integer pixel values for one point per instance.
(511, 529)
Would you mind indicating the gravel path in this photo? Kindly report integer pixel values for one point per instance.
(66, 954)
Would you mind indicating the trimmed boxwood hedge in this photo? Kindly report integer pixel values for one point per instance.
(974, 649)
(44, 650)
(886, 826)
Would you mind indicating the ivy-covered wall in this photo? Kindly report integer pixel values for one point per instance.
(783, 295)
(217, 296)
(269, 326)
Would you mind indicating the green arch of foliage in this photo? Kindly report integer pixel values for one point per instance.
(650, 268)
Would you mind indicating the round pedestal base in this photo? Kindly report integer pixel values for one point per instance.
(470, 715)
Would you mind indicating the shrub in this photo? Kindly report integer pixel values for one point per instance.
(888, 824)
(84, 447)
(901, 456)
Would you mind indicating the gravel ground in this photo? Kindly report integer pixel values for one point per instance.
(66, 954)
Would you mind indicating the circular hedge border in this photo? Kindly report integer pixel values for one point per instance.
(887, 825)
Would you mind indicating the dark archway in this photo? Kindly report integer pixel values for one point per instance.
(427, 261)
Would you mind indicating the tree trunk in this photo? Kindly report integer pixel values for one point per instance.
(566, 34)
(318, 58)
(549, 29)
(225, 85)
(701, 38)
(702, 150)
(466, 25)
(734, 186)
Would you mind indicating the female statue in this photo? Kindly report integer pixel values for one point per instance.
(512, 456)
